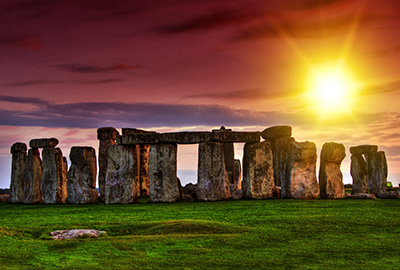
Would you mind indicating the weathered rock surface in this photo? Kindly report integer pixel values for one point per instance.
(234, 136)
(81, 176)
(4, 198)
(363, 149)
(106, 133)
(281, 153)
(301, 181)
(42, 143)
(276, 132)
(237, 194)
(361, 196)
(258, 172)
(163, 182)
(144, 151)
(107, 136)
(190, 189)
(121, 182)
(186, 137)
(140, 138)
(229, 157)
(330, 176)
(358, 171)
(54, 176)
(33, 177)
(73, 234)
(238, 174)
(18, 151)
(395, 194)
(213, 181)
(376, 172)
(130, 131)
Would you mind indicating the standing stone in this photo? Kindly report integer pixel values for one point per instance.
(330, 176)
(358, 171)
(107, 137)
(33, 177)
(229, 156)
(281, 153)
(377, 172)
(238, 174)
(163, 182)
(258, 172)
(144, 170)
(18, 151)
(54, 176)
(213, 181)
(121, 182)
(82, 175)
(301, 180)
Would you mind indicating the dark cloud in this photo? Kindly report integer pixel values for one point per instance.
(310, 28)
(24, 42)
(243, 94)
(46, 82)
(118, 114)
(206, 22)
(79, 68)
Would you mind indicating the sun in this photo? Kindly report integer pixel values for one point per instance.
(331, 88)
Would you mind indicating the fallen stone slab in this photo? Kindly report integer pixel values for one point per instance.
(395, 194)
(361, 196)
(73, 234)
(276, 132)
(363, 149)
(185, 137)
(44, 142)
(139, 138)
(234, 136)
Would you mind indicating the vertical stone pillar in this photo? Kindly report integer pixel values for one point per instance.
(238, 175)
(18, 151)
(82, 175)
(330, 176)
(143, 151)
(213, 181)
(54, 176)
(33, 176)
(280, 139)
(377, 172)
(301, 179)
(229, 156)
(144, 170)
(258, 172)
(121, 177)
(106, 137)
(358, 171)
(163, 181)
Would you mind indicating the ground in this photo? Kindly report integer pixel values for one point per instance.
(245, 234)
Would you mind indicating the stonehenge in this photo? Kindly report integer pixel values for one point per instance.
(330, 176)
(82, 175)
(141, 163)
(258, 172)
(18, 151)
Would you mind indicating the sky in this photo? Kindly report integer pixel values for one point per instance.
(69, 67)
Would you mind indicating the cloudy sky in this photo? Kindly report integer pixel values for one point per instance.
(69, 67)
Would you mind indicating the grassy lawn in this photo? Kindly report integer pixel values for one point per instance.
(246, 234)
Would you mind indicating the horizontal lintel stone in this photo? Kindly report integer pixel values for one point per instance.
(235, 136)
(139, 138)
(363, 149)
(44, 142)
(130, 131)
(186, 137)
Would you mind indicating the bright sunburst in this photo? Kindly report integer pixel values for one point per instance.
(331, 88)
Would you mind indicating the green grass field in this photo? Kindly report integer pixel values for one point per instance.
(246, 234)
